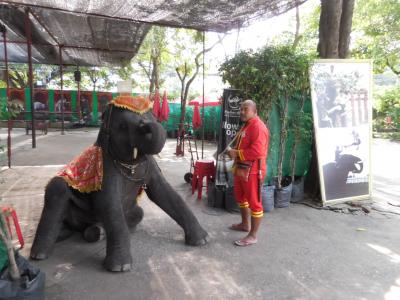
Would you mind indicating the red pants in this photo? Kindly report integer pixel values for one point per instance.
(246, 195)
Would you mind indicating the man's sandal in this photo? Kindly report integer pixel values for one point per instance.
(246, 242)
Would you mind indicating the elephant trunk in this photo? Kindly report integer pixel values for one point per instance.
(153, 138)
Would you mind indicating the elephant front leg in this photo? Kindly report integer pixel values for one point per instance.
(108, 208)
(162, 194)
(56, 202)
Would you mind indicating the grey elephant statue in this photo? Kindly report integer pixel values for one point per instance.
(96, 192)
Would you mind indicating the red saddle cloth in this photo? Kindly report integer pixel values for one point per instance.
(85, 172)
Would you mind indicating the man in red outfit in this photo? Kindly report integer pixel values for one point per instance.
(251, 150)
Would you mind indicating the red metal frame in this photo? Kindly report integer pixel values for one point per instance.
(9, 211)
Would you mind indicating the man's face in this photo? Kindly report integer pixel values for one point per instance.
(247, 112)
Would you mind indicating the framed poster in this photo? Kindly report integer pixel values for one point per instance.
(342, 111)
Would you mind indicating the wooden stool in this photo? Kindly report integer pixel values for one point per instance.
(9, 212)
(202, 168)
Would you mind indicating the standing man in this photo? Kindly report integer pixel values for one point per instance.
(250, 156)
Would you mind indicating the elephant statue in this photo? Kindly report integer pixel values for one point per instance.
(123, 165)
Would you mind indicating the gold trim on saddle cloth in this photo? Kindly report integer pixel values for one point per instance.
(137, 104)
(85, 172)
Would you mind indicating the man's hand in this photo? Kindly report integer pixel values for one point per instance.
(233, 153)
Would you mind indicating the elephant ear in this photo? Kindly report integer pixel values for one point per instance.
(104, 133)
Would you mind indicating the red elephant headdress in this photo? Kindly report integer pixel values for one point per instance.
(137, 104)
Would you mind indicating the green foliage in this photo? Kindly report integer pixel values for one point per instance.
(308, 35)
(388, 100)
(300, 124)
(376, 24)
(268, 76)
(388, 108)
(9, 110)
(275, 76)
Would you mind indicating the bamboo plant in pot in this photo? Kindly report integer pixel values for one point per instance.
(272, 77)
(301, 126)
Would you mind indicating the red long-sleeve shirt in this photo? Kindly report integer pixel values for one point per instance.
(253, 144)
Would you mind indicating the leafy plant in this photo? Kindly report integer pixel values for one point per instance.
(273, 76)
(377, 25)
(388, 109)
(10, 110)
(300, 124)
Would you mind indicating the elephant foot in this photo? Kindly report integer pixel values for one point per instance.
(118, 263)
(198, 238)
(39, 252)
(94, 233)
(38, 255)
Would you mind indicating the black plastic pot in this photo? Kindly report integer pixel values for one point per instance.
(298, 190)
(284, 194)
(29, 287)
(230, 202)
(268, 197)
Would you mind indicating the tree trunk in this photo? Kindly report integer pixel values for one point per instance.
(297, 36)
(329, 28)
(345, 27)
(334, 39)
(335, 28)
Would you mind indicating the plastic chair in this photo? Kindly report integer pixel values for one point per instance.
(202, 168)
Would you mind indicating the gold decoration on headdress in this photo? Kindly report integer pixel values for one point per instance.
(137, 104)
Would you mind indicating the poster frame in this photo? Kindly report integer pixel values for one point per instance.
(317, 129)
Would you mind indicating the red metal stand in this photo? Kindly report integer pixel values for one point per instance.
(10, 212)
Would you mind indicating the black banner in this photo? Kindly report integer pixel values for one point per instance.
(230, 125)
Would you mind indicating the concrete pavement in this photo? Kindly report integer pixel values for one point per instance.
(303, 253)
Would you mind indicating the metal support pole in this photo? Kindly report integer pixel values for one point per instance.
(8, 97)
(62, 92)
(28, 32)
(202, 117)
(78, 106)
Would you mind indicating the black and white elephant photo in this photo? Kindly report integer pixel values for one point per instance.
(127, 141)
(336, 177)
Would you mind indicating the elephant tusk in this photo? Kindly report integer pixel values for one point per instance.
(135, 152)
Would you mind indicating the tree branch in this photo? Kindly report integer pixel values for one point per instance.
(297, 36)
(392, 67)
